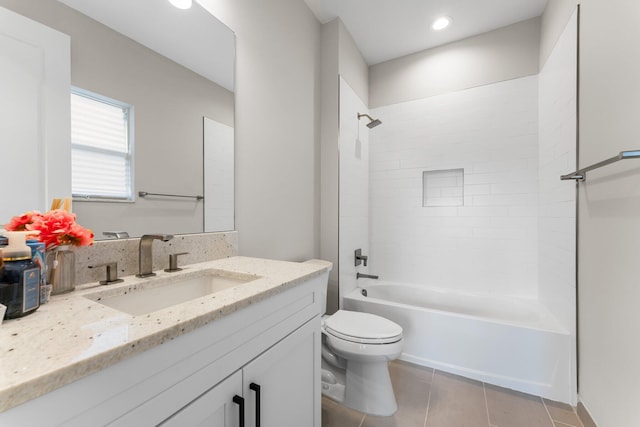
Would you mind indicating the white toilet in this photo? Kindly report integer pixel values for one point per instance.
(356, 351)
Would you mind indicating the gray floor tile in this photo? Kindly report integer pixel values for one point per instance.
(372, 421)
(336, 415)
(508, 408)
(452, 401)
(456, 402)
(562, 412)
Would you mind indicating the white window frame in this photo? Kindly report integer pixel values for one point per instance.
(129, 156)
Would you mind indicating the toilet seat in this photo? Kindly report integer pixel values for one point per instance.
(362, 328)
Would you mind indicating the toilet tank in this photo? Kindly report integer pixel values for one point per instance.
(325, 281)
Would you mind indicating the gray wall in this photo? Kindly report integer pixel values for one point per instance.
(277, 126)
(608, 206)
(506, 53)
(609, 209)
(329, 164)
(554, 19)
(340, 57)
(169, 103)
(351, 64)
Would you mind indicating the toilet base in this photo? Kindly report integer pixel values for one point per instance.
(368, 389)
(365, 387)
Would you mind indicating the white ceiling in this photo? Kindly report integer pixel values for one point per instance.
(193, 38)
(388, 29)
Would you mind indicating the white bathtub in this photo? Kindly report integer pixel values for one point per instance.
(509, 342)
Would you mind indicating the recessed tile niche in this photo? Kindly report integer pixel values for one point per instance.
(443, 188)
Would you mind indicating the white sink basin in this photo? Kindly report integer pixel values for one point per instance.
(161, 293)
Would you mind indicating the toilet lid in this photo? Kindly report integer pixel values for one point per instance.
(363, 328)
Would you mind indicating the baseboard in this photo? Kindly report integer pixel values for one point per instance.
(584, 416)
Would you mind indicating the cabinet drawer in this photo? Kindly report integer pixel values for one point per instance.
(215, 408)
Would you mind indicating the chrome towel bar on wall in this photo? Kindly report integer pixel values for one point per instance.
(581, 174)
(145, 194)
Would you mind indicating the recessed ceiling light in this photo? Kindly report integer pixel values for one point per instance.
(181, 4)
(441, 23)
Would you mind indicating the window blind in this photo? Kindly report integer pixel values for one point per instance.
(101, 149)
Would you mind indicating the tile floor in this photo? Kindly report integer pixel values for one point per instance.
(430, 398)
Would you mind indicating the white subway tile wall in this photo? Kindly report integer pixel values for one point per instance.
(490, 244)
(557, 156)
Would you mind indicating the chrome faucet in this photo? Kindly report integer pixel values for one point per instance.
(145, 253)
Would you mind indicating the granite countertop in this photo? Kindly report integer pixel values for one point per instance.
(73, 336)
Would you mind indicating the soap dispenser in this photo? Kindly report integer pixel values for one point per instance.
(19, 276)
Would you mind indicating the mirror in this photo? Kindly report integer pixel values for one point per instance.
(176, 70)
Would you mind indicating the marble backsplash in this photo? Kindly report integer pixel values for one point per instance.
(200, 247)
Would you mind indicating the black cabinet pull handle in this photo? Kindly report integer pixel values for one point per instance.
(255, 387)
(240, 402)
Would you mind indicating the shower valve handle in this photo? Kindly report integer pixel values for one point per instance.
(360, 258)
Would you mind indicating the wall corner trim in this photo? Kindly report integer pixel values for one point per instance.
(585, 416)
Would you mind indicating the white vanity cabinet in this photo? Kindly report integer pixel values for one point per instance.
(283, 374)
(271, 391)
(192, 380)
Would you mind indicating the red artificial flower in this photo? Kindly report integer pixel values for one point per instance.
(57, 227)
(79, 236)
(23, 222)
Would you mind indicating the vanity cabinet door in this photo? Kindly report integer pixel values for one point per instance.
(214, 408)
(288, 377)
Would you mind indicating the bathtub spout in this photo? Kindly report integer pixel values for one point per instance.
(365, 276)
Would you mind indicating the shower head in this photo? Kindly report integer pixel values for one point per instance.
(372, 122)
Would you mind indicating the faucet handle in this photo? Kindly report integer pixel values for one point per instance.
(173, 262)
(116, 234)
(112, 273)
(359, 258)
